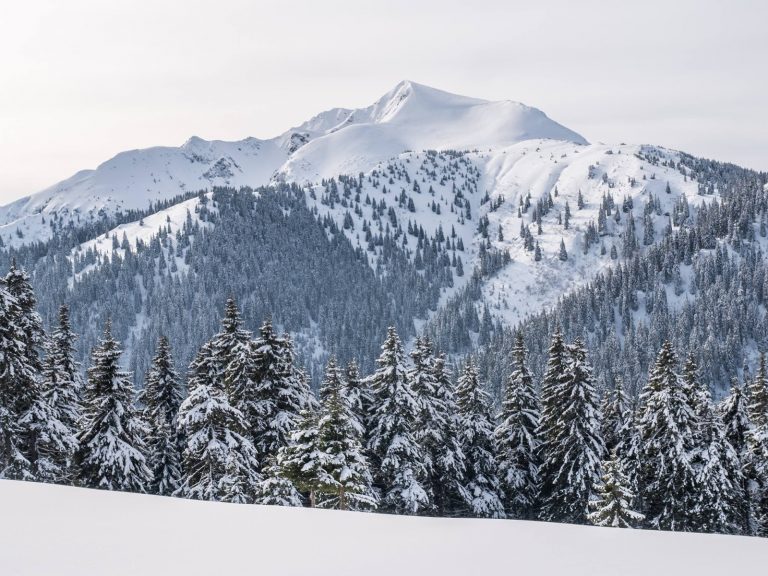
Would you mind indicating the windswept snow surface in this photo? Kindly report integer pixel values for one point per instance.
(61, 531)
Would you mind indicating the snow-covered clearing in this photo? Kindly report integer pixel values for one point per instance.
(61, 531)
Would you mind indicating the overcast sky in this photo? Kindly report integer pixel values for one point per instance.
(82, 80)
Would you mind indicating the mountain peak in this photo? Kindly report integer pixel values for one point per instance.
(194, 141)
(409, 87)
(418, 98)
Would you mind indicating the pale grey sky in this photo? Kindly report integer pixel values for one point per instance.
(84, 79)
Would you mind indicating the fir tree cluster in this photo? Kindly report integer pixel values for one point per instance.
(244, 426)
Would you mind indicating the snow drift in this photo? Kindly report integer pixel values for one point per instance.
(55, 530)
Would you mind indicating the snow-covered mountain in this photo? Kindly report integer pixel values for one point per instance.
(512, 156)
(409, 117)
(93, 532)
(443, 179)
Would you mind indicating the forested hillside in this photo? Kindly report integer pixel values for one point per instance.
(702, 286)
(268, 250)
(244, 426)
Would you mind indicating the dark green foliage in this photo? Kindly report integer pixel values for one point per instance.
(395, 453)
(476, 426)
(572, 448)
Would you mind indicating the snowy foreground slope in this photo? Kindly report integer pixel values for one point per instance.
(62, 531)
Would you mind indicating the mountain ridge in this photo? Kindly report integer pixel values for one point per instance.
(410, 116)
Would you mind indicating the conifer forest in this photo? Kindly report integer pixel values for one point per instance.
(419, 434)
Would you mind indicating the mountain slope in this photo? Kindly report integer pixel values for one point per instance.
(134, 179)
(496, 183)
(90, 532)
(409, 117)
(493, 185)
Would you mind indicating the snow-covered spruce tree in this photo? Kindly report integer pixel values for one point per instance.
(276, 489)
(756, 470)
(344, 477)
(281, 392)
(218, 461)
(359, 399)
(616, 411)
(299, 462)
(68, 380)
(396, 456)
(28, 321)
(613, 505)
(618, 429)
(63, 386)
(716, 464)
(476, 428)
(50, 443)
(233, 355)
(572, 455)
(628, 447)
(232, 349)
(20, 384)
(450, 492)
(161, 398)
(517, 441)
(52, 420)
(437, 430)
(737, 425)
(757, 395)
(667, 426)
(111, 451)
(734, 411)
(553, 385)
(756, 460)
(15, 398)
(555, 377)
